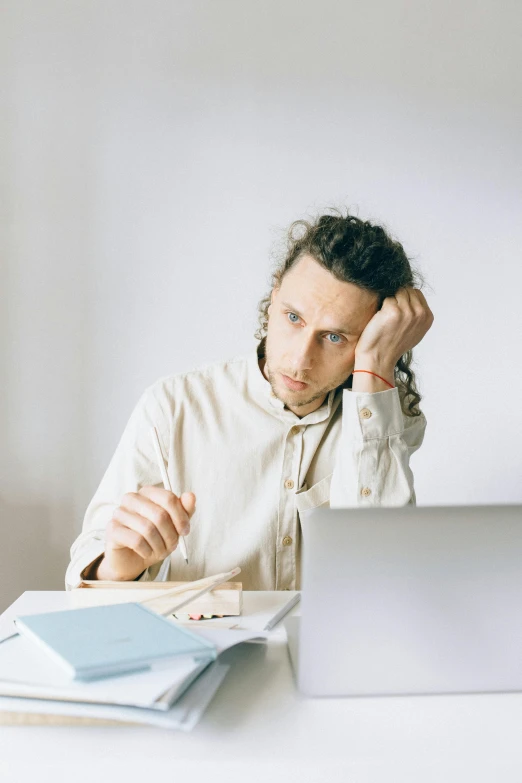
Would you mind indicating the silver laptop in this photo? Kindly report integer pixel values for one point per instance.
(409, 600)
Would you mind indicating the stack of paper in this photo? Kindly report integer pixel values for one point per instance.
(175, 695)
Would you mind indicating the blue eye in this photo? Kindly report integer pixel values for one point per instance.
(293, 315)
(337, 339)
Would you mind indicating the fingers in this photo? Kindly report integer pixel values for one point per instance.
(422, 300)
(161, 537)
(119, 537)
(420, 306)
(141, 505)
(172, 505)
(406, 299)
(188, 500)
(150, 521)
(413, 300)
(402, 295)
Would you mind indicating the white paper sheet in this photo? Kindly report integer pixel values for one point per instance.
(254, 620)
(224, 638)
(184, 715)
(26, 671)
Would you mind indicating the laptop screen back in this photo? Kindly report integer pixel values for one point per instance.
(411, 600)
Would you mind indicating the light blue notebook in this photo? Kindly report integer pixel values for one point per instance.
(101, 641)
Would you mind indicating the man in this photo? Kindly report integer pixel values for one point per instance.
(324, 412)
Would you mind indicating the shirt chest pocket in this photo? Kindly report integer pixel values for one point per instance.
(317, 495)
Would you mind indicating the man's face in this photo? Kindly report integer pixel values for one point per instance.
(314, 324)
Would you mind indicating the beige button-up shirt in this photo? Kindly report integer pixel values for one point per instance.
(254, 467)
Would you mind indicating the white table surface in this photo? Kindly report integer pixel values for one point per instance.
(258, 728)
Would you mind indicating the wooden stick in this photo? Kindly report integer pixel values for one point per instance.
(218, 580)
(224, 577)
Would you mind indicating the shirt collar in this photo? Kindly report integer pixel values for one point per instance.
(261, 391)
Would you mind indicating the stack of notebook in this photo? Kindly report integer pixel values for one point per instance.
(120, 662)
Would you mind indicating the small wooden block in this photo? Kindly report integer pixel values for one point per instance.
(227, 599)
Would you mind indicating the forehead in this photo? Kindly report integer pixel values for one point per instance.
(312, 288)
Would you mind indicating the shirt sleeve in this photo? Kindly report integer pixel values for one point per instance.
(133, 466)
(373, 461)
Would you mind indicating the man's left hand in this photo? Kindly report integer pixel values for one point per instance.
(396, 328)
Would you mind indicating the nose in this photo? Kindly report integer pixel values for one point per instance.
(301, 359)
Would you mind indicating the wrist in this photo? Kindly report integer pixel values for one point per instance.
(383, 367)
(104, 572)
(371, 377)
(89, 572)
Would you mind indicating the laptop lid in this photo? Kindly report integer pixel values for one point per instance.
(411, 600)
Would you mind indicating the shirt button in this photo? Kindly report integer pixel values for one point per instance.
(289, 484)
(295, 430)
(287, 540)
(366, 413)
(366, 491)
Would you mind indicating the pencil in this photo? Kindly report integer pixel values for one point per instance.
(166, 482)
(281, 613)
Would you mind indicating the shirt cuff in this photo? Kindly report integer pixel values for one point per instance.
(373, 415)
(73, 576)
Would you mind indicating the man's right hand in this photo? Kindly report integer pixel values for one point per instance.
(144, 530)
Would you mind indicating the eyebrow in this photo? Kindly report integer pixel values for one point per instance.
(340, 329)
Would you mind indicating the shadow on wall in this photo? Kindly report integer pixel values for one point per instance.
(29, 560)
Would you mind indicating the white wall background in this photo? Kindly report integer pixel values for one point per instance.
(152, 150)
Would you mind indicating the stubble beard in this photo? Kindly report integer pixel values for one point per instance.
(295, 403)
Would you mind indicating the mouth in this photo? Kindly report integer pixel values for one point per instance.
(293, 385)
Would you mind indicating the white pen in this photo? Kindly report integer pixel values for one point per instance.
(281, 613)
(166, 482)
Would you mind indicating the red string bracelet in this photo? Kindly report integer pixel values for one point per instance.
(377, 376)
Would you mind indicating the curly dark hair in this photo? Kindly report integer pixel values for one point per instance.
(359, 252)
